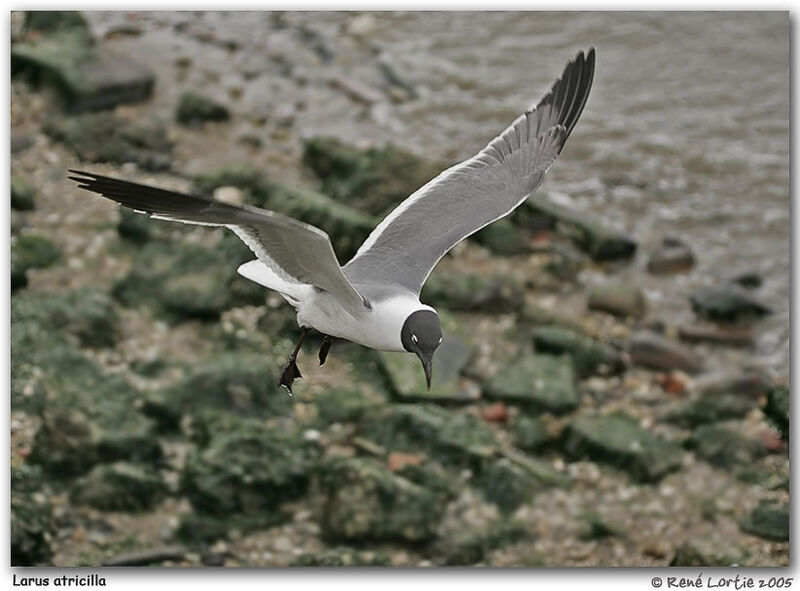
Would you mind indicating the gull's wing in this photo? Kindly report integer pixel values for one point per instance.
(407, 244)
(296, 252)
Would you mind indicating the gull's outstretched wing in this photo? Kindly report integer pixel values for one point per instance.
(296, 252)
(407, 244)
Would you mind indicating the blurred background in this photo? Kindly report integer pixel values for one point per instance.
(612, 388)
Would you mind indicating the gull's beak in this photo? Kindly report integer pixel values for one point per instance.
(427, 364)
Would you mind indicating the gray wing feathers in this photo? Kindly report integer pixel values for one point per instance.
(296, 252)
(407, 244)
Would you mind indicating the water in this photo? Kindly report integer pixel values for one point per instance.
(686, 131)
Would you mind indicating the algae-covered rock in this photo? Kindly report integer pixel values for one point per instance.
(777, 408)
(588, 355)
(186, 281)
(406, 377)
(240, 383)
(511, 481)
(199, 529)
(31, 518)
(709, 550)
(618, 299)
(22, 193)
(473, 545)
(241, 176)
(453, 437)
(30, 252)
(620, 441)
(530, 433)
(346, 225)
(599, 241)
(710, 409)
(770, 520)
(542, 383)
(86, 314)
(195, 108)
(476, 292)
(653, 351)
(342, 405)
(106, 137)
(725, 447)
(373, 180)
(48, 21)
(120, 486)
(503, 238)
(88, 416)
(249, 468)
(728, 303)
(357, 499)
(63, 56)
(341, 556)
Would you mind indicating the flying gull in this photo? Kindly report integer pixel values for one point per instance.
(373, 300)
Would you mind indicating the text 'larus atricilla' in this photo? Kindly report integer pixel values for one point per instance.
(374, 299)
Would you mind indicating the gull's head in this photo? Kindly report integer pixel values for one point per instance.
(422, 334)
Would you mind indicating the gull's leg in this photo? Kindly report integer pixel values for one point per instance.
(290, 370)
(324, 348)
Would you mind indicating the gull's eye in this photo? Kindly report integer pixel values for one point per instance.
(440, 340)
(414, 338)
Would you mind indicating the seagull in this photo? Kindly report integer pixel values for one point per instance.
(374, 300)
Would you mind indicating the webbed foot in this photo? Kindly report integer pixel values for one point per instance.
(323, 349)
(289, 374)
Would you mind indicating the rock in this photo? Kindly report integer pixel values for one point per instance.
(530, 433)
(239, 383)
(134, 227)
(31, 518)
(715, 549)
(342, 556)
(183, 281)
(455, 438)
(64, 57)
(748, 280)
(374, 180)
(20, 142)
(777, 409)
(30, 251)
(541, 383)
(249, 468)
(598, 241)
(728, 303)
(503, 238)
(748, 383)
(513, 480)
(718, 335)
(357, 499)
(106, 137)
(661, 354)
(194, 108)
(710, 409)
(674, 256)
(473, 545)
(406, 378)
(566, 261)
(724, 447)
(344, 405)
(48, 21)
(228, 194)
(87, 314)
(87, 415)
(597, 528)
(430, 475)
(540, 316)
(495, 413)
(619, 440)
(21, 194)
(589, 356)
(618, 299)
(242, 177)
(120, 486)
(494, 294)
(347, 226)
(770, 520)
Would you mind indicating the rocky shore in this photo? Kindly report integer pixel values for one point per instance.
(569, 422)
